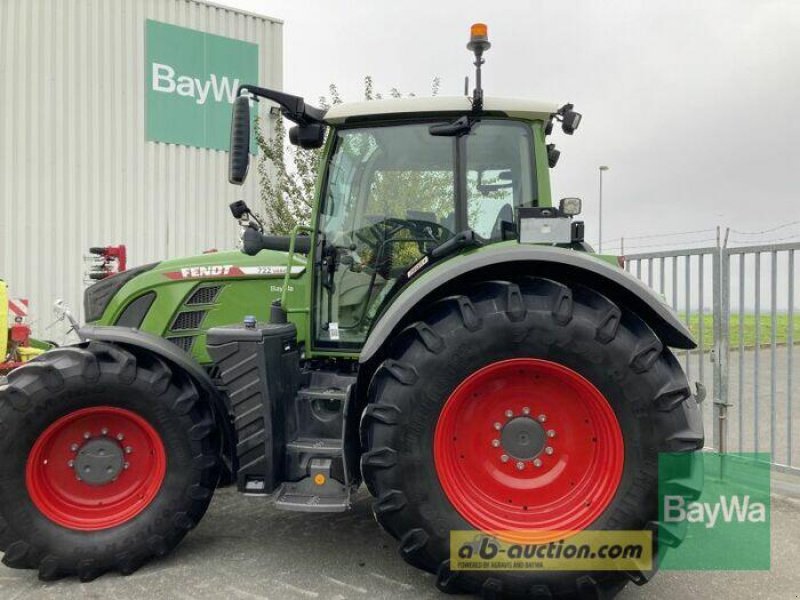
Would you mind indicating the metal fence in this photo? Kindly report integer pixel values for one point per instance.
(740, 303)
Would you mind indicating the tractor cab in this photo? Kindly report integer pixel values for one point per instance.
(401, 184)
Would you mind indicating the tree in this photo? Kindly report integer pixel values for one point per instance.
(288, 174)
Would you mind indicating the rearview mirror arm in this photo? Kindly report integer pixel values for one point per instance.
(293, 108)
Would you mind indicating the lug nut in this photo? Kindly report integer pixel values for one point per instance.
(104, 431)
(504, 458)
(128, 449)
(498, 426)
(74, 447)
(548, 450)
(87, 435)
(126, 466)
(509, 414)
(551, 433)
(526, 411)
(70, 463)
(520, 466)
(120, 437)
(537, 462)
(496, 443)
(542, 418)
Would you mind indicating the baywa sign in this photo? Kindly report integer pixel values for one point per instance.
(190, 82)
(726, 526)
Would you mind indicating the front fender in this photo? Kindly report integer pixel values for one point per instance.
(166, 350)
(546, 261)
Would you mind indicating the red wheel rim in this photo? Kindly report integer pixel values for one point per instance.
(126, 466)
(502, 474)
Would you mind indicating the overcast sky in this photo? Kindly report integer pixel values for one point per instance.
(694, 105)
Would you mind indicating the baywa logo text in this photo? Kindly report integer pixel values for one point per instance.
(558, 551)
(164, 79)
(729, 509)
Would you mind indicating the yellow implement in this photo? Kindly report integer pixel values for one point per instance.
(16, 345)
(27, 353)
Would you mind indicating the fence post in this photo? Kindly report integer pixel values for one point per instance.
(722, 306)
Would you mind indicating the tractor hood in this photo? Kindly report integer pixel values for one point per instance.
(180, 299)
(120, 288)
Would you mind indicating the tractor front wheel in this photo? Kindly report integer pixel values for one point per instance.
(530, 408)
(107, 458)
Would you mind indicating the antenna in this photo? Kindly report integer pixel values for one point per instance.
(478, 44)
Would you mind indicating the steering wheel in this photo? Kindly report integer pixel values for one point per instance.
(383, 233)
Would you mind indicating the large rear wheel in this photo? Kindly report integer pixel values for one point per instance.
(107, 458)
(530, 407)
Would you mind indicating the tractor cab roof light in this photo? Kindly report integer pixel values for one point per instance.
(570, 120)
(478, 36)
(478, 44)
(570, 206)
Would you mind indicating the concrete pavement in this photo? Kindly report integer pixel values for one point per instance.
(244, 549)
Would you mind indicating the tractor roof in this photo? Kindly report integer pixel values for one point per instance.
(511, 107)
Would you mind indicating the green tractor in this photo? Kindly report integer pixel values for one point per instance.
(440, 333)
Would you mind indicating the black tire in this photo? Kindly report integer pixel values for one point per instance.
(65, 380)
(533, 318)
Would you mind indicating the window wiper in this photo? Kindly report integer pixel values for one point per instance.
(459, 127)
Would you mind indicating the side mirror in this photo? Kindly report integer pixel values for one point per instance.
(309, 136)
(239, 154)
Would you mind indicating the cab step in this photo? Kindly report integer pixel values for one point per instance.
(310, 393)
(316, 465)
(318, 492)
(289, 499)
(316, 446)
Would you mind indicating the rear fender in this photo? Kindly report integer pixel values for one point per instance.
(515, 260)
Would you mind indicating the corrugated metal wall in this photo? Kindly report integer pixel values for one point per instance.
(75, 169)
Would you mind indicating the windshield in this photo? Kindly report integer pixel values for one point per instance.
(392, 195)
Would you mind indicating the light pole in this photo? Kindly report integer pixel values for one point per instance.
(600, 217)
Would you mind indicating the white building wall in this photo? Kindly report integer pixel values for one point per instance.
(75, 168)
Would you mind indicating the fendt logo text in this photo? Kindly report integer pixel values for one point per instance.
(729, 509)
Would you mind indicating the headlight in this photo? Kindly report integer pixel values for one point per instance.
(97, 296)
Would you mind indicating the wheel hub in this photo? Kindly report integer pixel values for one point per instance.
(99, 461)
(523, 438)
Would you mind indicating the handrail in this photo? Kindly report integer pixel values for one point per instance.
(287, 277)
